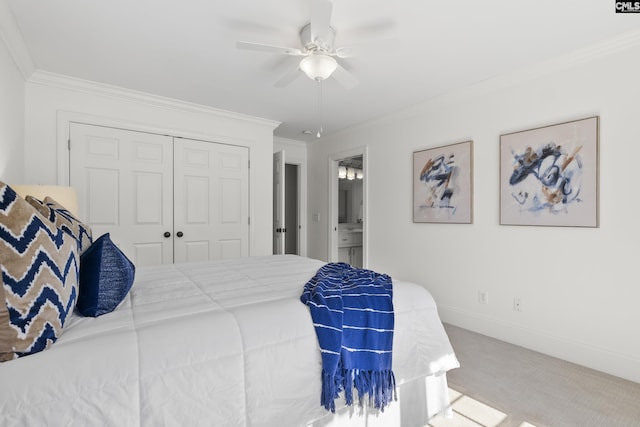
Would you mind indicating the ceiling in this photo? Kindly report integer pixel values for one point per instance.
(185, 49)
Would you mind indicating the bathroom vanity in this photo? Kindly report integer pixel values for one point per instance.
(350, 243)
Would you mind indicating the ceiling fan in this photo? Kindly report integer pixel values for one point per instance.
(317, 49)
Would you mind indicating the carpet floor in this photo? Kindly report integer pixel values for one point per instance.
(530, 387)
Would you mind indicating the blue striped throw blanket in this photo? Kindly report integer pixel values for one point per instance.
(352, 312)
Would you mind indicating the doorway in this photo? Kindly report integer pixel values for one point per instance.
(291, 241)
(348, 207)
(287, 200)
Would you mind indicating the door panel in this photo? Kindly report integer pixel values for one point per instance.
(230, 248)
(196, 198)
(230, 194)
(148, 253)
(103, 210)
(148, 198)
(125, 188)
(197, 250)
(211, 200)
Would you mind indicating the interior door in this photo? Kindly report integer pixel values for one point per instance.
(211, 194)
(125, 188)
(279, 228)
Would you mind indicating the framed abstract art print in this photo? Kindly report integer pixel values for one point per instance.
(443, 184)
(549, 175)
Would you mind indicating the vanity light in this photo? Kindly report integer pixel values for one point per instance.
(359, 174)
(351, 173)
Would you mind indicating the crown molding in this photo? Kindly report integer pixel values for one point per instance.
(64, 82)
(557, 64)
(12, 38)
(591, 53)
(598, 51)
(289, 141)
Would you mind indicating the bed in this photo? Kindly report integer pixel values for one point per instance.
(225, 343)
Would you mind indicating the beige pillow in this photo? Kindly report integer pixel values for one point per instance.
(63, 219)
(38, 280)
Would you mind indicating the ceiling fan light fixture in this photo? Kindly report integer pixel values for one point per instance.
(318, 66)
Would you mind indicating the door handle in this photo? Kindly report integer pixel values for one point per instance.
(179, 234)
(167, 234)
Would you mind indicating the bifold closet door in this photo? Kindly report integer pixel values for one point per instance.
(124, 181)
(211, 197)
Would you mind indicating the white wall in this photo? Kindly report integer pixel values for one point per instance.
(579, 286)
(52, 101)
(12, 98)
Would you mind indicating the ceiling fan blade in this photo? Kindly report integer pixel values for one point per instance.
(345, 78)
(269, 48)
(344, 52)
(320, 19)
(289, 77)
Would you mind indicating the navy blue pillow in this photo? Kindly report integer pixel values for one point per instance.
(106, 276)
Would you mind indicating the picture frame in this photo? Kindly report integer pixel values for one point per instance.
(549, 176)
(443, 184)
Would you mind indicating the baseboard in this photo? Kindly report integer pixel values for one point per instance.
(600, 359)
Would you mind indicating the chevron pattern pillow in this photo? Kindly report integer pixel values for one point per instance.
(39, 280)
(63, 219)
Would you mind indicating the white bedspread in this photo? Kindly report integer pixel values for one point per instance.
(218, 344)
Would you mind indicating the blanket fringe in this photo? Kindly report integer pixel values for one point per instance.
(377, 388)
(331, 387)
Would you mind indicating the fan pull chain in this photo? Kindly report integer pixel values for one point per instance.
(320, 130)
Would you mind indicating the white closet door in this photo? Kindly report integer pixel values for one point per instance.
(211, 190)
(125, 188)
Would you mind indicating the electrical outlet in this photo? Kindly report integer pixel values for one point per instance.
(517, 304)
(483, 297)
